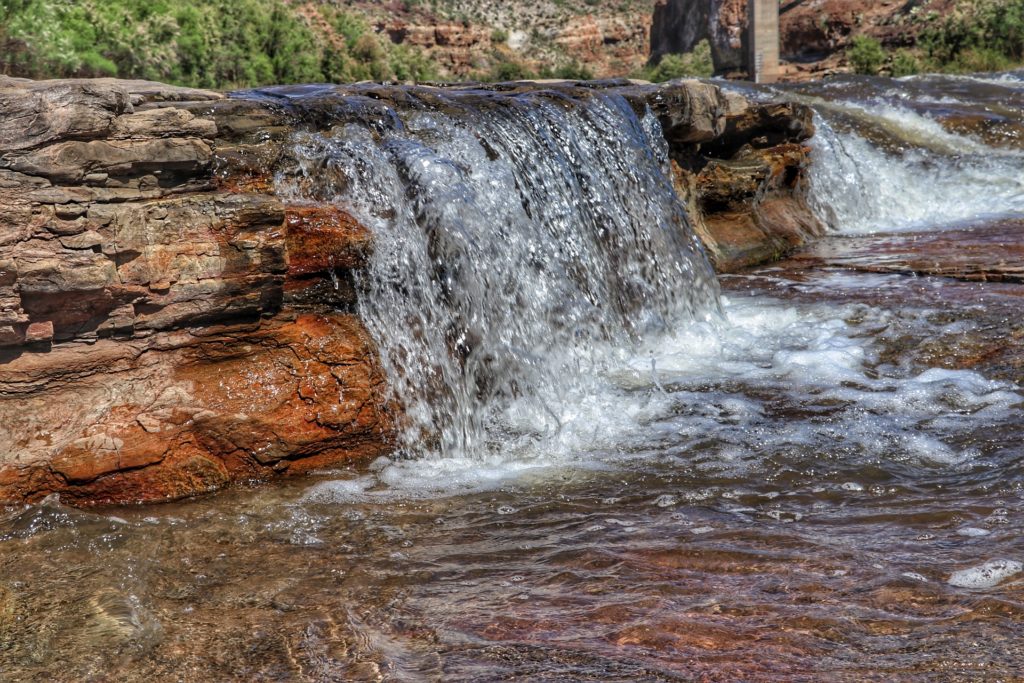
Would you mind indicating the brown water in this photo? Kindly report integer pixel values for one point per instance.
(805, 563)
(787, 494)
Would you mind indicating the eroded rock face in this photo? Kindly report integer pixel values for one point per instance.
(813, 35)
(169, 324)
(744, 188)
(164, 325)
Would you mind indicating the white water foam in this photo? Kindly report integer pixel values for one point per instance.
(858, 188)
(987, 575)
(707, 394)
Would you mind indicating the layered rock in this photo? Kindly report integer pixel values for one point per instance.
(171, 323)
(469, 37)
(166, 325)
(744, 186)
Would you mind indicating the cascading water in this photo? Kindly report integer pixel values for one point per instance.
(918, 154)
(522, 241)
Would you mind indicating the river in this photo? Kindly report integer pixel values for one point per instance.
(614, 467)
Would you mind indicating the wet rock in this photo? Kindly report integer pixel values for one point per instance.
(985, 252)
(324, 239)
(149, 352)
(745, 188)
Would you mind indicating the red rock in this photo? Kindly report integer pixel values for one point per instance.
(39, 332)
(324, 238)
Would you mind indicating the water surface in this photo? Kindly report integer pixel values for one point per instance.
(815, 472)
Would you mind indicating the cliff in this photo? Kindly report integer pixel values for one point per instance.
(170, 324)
(813, 35)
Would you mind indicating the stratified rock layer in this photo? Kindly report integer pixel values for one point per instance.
(169, 325)
(164, 324)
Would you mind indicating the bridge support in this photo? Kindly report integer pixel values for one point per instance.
(763, 23)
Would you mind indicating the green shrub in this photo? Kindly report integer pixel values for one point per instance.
(201, 43)
(866, 55)
(508, 70)
(570, 71)
(979, 59)
(499, 36)
(695, 64)
(978, 35)
(904, 63)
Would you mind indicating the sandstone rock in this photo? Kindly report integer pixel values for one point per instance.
(690, 111)
(150, 355)
(745, 189)
(69, 162)
(323, 239)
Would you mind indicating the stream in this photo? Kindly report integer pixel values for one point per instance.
(614, 467)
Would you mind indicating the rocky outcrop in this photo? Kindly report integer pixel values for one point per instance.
(166, 324)
(171, 322)
(744, 186)
(813, 35)
(470, 37)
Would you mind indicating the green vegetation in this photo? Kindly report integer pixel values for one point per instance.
(695, 64)
(505, 67)
(978, 35)
(866, 55)
(200, 43)
(904, 63)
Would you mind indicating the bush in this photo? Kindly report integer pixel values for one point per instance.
(979, 59)
(508, 70)
(199, 43)
(904, 63)
(571, 71)
(978, 35)
(695, 64)
(866, 55)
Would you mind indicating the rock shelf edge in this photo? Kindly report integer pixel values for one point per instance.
(169, 325)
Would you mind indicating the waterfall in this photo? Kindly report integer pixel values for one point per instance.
(885, 162)
(522, 241)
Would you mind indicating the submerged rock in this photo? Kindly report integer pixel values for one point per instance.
(169, 324)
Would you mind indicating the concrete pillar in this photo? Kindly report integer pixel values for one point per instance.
(763, 23)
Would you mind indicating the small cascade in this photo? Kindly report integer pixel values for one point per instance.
(523, 241)
(888, 158)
